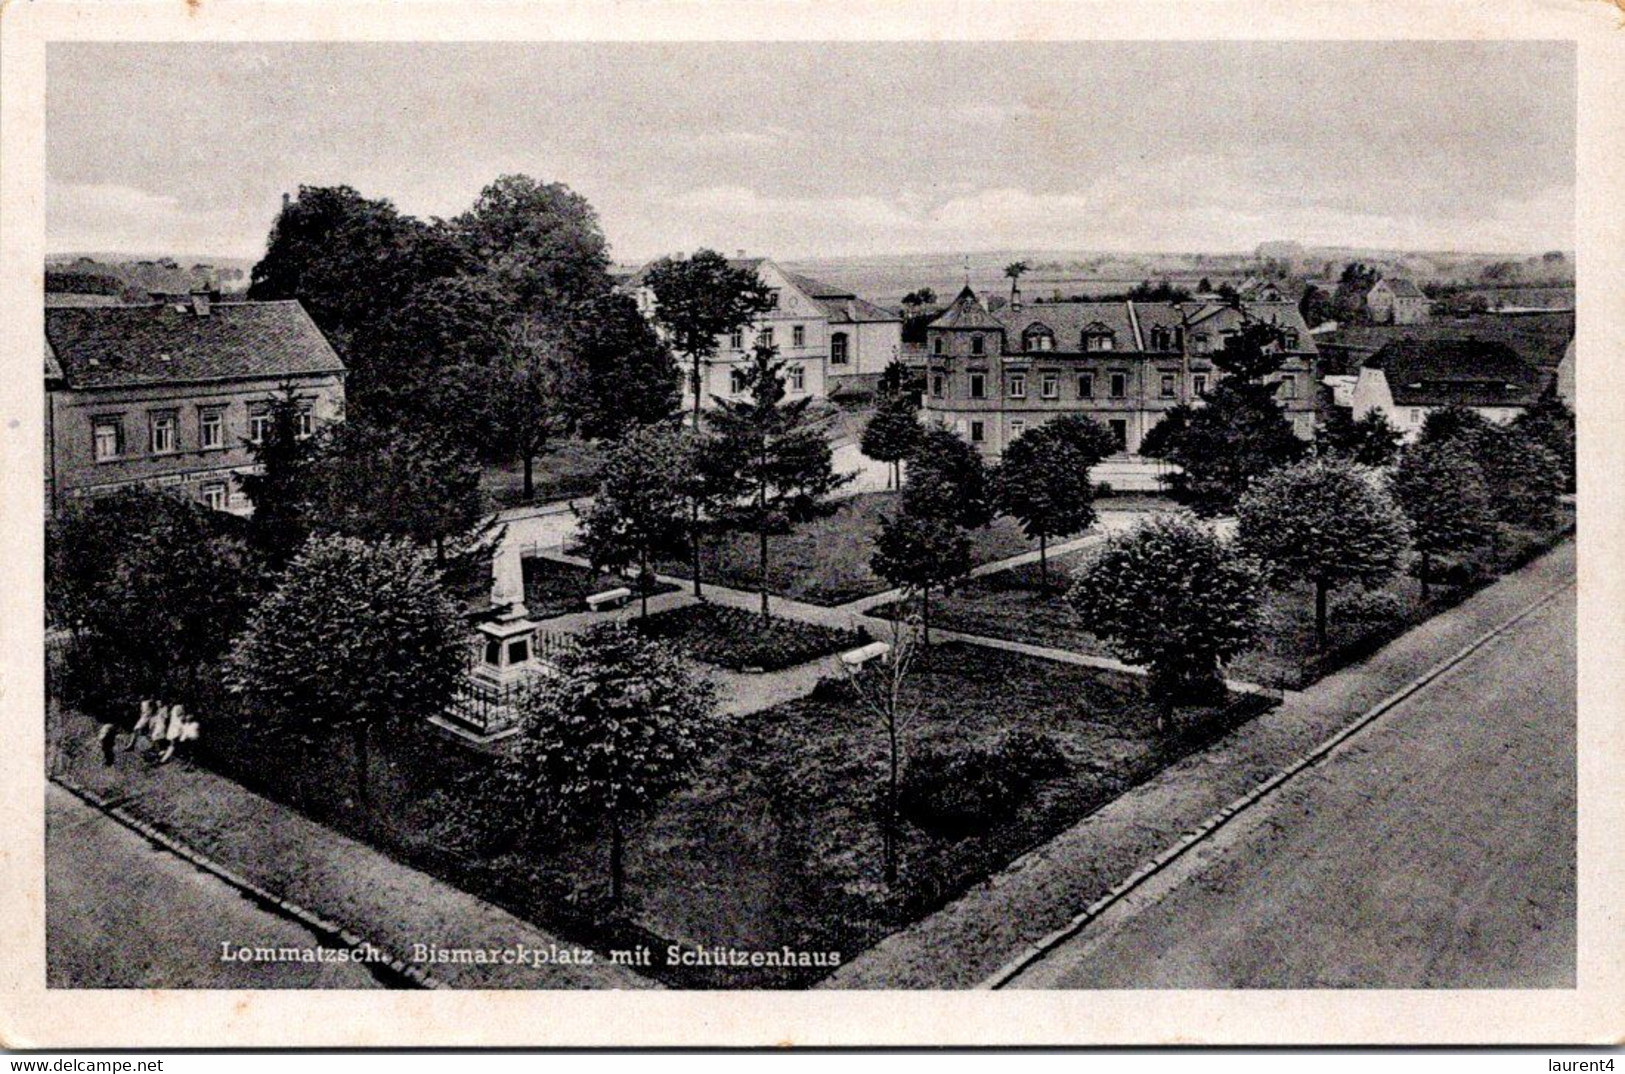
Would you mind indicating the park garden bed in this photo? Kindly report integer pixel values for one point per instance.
(826, 561)
(777, 843)
(553, 587)
(1012, 605)
(741, 640)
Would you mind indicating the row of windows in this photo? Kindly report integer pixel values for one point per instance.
(795, 379)
(1117, 426)
(109, 442)
(1049, 386)
(1103, 339)
(839, 342)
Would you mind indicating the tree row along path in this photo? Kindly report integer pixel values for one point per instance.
(1039, 893)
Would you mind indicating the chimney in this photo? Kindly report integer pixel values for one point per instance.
(286, 199)
(1015, 299)
(200, 301)
(740, 254)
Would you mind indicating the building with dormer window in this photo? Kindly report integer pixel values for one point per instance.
(991, 376)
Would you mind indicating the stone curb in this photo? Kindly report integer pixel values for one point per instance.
(415, 976)
(1205, 830)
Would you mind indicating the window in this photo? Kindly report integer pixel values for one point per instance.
(1120, 433)
(936, 385)
(1038, 339)
(978, 385)
(1289, 386)
(764, 338)
(1018, 386)
(772, 300)
(1086, 385)
(163, 433)
(736, 341)
(1199, 343)
(798, 335)
(1289, 339)
(1097, 337)
(1160, 338)
(213, 496)
(736, 381)
(306, 421)
(1167, 385)
(1199, 383)
(837, 349)
(977, 346)
(796, 377)
(109, 437)
(259, 423)
(1049, 385)
(211, 430)
(1017, 427)
(1416, 417)
(1119, 385)
(978, 432)
(936, 345)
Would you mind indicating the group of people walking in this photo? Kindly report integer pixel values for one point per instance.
(165, 727)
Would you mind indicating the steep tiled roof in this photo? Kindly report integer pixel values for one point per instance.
(1402, 287)
(966, 311)
(1456, 372)
(1068, 320)
(131, 345)
(842, 305)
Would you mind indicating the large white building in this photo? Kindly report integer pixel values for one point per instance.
(831, 340)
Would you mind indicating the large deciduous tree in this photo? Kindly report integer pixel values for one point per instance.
(374, 482)
(622, 723)
(1043, 481)
(350, 259)
(1324, 521)
(153, 585)
(1442, 492)
(640, 510)
(625, 375)
(358, 635)
(1525, 478)
(697, 300)
(1175, 597)
(774, 466)
(541, 242)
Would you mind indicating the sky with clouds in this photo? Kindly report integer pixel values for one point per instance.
(805, 150)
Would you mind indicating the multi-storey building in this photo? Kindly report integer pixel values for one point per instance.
(171, 394)
(992, 376)
(830, 339)
(1396, 300)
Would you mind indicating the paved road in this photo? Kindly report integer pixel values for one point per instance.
(1436, 850)
(122, 913)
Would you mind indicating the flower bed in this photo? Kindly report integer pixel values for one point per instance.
(740, 641)
(555, 588)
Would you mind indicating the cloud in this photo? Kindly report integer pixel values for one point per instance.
(126, 219)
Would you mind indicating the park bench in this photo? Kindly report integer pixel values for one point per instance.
(609, 598)
(857, 658)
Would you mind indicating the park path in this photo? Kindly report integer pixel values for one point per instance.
(1043, 891)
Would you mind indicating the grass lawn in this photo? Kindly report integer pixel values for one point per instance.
(826, 561)
(779, 843)
(738, 640)
(569, 470)
(1011, 605)
(554, 588)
